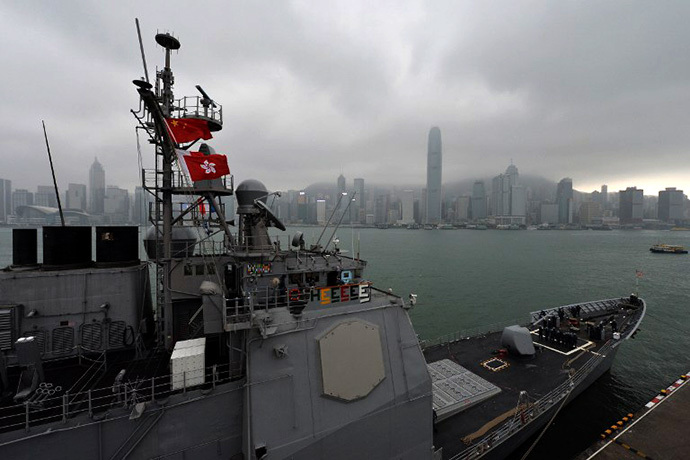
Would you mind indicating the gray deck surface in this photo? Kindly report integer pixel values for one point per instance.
(537, 375)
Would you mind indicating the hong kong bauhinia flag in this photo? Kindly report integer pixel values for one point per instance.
(188, 129)
(203, 167)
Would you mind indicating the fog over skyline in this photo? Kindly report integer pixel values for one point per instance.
(595, 91)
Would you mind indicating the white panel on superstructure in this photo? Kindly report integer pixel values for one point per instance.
(187, 363)
(456, 388)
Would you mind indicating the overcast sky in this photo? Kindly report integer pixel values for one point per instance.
(597, 91)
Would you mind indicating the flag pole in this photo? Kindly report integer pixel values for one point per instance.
(52, 170)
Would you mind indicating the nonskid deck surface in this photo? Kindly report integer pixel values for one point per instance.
(537, 375)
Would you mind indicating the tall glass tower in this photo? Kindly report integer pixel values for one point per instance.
(96, 188)
(434, 166)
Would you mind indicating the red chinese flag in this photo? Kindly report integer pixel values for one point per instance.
(188, 129)
(205, 167)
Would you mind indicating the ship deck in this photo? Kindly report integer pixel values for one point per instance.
(89, 383)
(538, 375)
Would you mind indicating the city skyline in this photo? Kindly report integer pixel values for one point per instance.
(538, 90)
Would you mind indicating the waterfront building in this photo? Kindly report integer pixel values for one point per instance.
(564, 200)
(590, 212)
(75, 197)
(434, 170)
(5, 199)
(360, 203)
(341, 184)
(670, 205)
(140, 210)
(630, 205)
(321, 211)
(548, 213)
(381, 207)
(407, 201)
(462, 208)
(116, 204)
(21, 197)
(45, 196)
(96, 188)
(478, 201)
(509, 199)
(604, 196)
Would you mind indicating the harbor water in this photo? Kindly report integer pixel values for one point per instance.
(467, 279)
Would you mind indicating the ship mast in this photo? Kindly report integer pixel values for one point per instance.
(159, 103)
(170, 43)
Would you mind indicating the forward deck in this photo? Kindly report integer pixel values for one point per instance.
(554, 372)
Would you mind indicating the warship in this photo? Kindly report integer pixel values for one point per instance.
(225, 343)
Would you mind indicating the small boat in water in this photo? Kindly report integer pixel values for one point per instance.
(668, 249)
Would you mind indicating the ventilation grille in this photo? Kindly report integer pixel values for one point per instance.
(116, 334)
(63, 340)
(6, 329)
(40, 336)
(91, 336)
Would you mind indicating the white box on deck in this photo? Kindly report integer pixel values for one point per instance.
(188, 363)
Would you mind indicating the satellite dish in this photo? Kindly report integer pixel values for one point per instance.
(271, 217)
(298, 240)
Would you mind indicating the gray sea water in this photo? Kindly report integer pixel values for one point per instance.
(467, 278)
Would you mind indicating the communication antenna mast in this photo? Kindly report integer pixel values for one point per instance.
(141, 48)
(52, 170)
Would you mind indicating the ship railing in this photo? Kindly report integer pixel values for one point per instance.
(241, 310)
(42, 407)
(210, 247)
(471, 332)
(153, 179)
(532, 411)
(192, 106)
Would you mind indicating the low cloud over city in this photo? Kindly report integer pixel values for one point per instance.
(594, 91)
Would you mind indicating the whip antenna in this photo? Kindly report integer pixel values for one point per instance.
(141, 47)
(52, 170)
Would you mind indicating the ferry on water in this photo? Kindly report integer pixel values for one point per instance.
(668, 249)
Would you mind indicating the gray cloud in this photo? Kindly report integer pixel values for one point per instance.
(595, 91)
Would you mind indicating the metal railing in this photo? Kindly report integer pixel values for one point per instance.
(191, 105)
(470, 332)
(533, 411)
(154, 180)
(45, 407)
(241, 310)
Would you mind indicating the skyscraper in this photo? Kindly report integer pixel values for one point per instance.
(407, 202)
(341, 183)
(564, 200)
(5, 199)
(509, 200)
(604, 195)
(671, 204)
(96, 188)
(630, 205)
(360, 201)
(75, 197)
(434, 170)
(478, 201)
(45, 196)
